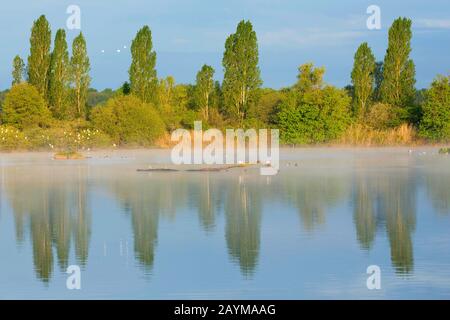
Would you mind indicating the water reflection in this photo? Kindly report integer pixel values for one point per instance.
(53, 202)
(438, 190)
(387, 198)
(313, 193)
(51, 205)
(243, 222)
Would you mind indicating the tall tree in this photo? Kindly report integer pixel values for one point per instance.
(378, 75)
(143, 79)
(241, 72)
(18, 70)
(80, 66)
(59, 76)
(363, 79)
(39, 58)
(398, 83)
(165, 91)
(204, 89)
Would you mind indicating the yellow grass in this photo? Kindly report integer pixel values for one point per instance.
(362, 135)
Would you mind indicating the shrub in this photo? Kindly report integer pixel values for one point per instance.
(382, 116)
(316, 116)
(12, 139)
(24, 107)
(66, 138)
(128, 120)
(435, 123)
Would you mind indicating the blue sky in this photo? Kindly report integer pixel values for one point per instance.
(189, 33)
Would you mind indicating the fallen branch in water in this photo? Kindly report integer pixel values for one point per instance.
(207, 169)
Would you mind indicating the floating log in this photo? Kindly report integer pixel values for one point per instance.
(207, 169)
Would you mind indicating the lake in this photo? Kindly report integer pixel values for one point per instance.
(309, 232)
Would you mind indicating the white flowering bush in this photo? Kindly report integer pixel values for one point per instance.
(13, 139)
(67, 139)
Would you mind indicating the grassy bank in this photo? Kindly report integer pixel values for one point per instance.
(79, 137)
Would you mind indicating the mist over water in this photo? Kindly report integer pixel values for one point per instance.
(309, 232)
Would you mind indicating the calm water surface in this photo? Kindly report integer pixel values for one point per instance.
(309, 232)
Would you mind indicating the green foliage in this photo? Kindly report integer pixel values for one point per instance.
(362, 79)
(2, 99)
(59, 77)
(80, 79)
(128, 120)
(165, 91)
(173, 102)
(382, 116)
(95, 97)
(241, 72)
(204, 89)
(397, 87)
(39, 58)
(265, 113)
(309, 78)
(143, 79)
(378, 76)
(12, 139)
(125, 89)
(316, 116)
(67, 135)
(311, 111)
(142, 109)
(435, 123)
(24, 107)
(18, 70)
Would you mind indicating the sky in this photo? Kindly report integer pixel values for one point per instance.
(190, 33)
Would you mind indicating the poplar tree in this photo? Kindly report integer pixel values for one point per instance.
(378, 75)
(241, 72)
(59, 76)
(39, 58)
(142, 72)
(363, 79)
(80, 66)
(18, 70)
(204, 89)
(398, 83)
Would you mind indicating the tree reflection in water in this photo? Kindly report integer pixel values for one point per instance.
(51, 202)
(54, 201)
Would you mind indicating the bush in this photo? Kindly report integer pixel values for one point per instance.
(67, 138)
(24, 107)
(316, 116)
(435, 123)
(12, 139)
(382, 116)
(128, 120)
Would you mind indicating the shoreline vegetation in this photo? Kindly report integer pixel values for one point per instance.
(51, 106)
